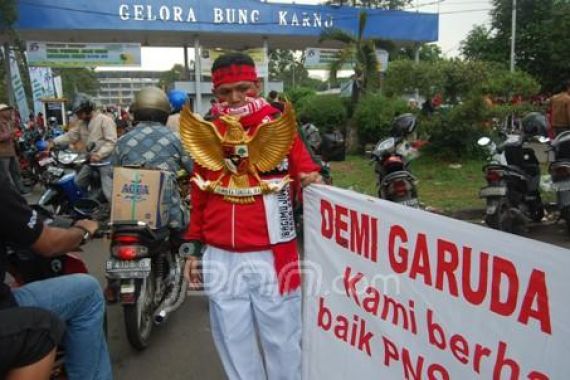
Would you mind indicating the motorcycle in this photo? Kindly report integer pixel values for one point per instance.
(317, 146)
(512, 193)
(62, 193)
(559, 169)
(391, 158)
(148, 273)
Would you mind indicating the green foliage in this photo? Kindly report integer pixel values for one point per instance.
(374, 115)
(453, 133)
(543, 29)
(298, 95)
(167, 79)
(325, 111)
(428, 53)
(77, 80)
(286, 67)
(456, 80)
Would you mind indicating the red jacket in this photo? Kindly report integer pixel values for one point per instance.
(237, 227)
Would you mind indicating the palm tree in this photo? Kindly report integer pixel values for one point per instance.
(361, 53)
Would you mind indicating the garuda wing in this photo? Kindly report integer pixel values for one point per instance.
(201, 140)
(272, 141)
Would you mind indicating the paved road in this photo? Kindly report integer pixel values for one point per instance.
(182, 348)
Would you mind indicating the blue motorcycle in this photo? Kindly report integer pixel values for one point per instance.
(62, 194)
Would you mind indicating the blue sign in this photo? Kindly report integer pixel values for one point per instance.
(221, 16)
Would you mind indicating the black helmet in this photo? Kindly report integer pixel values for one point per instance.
(151, 104)
(403, 125)
(82, 102)
(534, 124)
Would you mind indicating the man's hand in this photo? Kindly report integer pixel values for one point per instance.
(310, 178)
(94, 158)
(91, 225)
(192, 273)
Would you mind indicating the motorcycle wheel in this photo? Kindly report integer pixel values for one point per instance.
(501, 219)
(138, 317)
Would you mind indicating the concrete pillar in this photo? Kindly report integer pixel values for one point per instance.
(186, 68)
(197, 75)
(9, 88)
(266, 78)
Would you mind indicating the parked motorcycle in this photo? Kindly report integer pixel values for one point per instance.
(392, 157)
(512, 193)
(559, 169)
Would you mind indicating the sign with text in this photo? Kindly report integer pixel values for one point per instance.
(55, 54)
(393, 292)
(259, 56)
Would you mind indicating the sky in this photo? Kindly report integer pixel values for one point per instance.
(457, 18)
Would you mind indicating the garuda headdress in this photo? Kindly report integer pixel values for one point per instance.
(237, 154)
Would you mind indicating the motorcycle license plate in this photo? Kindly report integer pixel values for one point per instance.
(562, 186)
(53, 170)
(493, 191)
(128, 269)
(45, 161)
(410, 203)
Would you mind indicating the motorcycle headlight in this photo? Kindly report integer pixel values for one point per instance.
(67, 158)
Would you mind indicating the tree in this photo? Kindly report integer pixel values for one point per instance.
(428, 53)
(543, 29)
(167, 79)
(361, 53)
(77, 80)
(285, 67)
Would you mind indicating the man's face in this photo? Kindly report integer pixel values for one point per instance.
(235, 94)
(83, 115)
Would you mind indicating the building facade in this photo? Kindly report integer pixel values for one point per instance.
(118, 88)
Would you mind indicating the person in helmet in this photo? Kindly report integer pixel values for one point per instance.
(177, 99)
(151, 145)
(96, 130)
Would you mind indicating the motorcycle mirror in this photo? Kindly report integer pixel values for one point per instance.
(484, 141)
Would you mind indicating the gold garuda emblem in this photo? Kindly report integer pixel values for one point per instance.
(237, 154)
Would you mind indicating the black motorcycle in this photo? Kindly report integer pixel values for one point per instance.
(392, 157)
(147, 273)
(559, 157)
(512, 193)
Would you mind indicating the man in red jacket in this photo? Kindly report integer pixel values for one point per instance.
(250, 261)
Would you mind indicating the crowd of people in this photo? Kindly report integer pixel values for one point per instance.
(39, 316)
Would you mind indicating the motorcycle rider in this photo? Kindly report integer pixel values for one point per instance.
(177, 99)
(94, 128)
(151, 145)
(76, 299)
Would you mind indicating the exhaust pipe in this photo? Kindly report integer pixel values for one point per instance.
(175, 298)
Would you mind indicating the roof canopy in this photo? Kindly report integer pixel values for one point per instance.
(216, 23)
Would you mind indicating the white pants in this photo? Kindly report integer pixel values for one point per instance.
(243, 291)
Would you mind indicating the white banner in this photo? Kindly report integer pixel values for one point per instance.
(18, 88)
(392, 292)
(41, 79)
